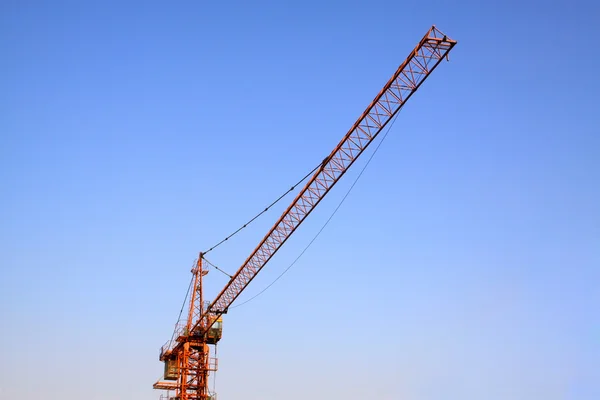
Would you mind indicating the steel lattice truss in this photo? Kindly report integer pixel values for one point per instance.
(425, 57)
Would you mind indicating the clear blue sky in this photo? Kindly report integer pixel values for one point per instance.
(464, 265)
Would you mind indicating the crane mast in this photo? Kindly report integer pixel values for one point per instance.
(187, 356)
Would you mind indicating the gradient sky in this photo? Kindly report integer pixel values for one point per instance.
(465, 264)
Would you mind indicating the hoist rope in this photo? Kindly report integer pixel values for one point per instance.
(328, 220)
(265, 210)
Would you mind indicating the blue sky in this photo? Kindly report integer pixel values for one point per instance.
(464, 264)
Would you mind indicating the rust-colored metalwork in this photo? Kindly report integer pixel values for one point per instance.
(188, 353)
(190, 349)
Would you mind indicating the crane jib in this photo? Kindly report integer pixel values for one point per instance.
(425, 57)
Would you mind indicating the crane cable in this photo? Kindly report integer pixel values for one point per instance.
(182, 307)
(265, 210)
(328, 220)
(217, 268)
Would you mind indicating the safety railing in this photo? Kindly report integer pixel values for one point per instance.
(180, 330)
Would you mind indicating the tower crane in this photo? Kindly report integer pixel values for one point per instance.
(187, 355)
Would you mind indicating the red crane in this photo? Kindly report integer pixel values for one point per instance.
(187, 355)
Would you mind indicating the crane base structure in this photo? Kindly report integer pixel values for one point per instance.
(187, 356)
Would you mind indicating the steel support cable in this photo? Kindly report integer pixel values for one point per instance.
(182, 307)
(215, 267)
(264, 211)
(326, 222)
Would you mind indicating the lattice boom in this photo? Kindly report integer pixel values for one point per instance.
(430, 51)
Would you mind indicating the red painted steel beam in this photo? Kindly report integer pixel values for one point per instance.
(425, 57)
